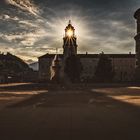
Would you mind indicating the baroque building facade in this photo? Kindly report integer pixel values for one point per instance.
(124, 65)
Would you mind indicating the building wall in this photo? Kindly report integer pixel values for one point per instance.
(124, 68)
(44, 68)
(89, 66)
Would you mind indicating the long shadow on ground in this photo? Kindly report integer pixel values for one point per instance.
(90, 115)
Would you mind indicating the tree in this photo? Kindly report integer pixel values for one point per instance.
(73, 68)
(104, 71)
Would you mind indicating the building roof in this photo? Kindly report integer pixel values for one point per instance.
(50, 56)
(109, 55)
(69, 26)
(92, 55)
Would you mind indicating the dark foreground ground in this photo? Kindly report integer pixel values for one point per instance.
(40, 112)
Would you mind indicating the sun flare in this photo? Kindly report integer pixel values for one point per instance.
(69, 33)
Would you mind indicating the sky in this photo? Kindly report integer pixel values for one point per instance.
(31, 28)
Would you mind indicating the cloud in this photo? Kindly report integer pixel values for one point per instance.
(32, 28)
(26, 5)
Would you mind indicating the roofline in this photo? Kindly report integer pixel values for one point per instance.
(92, 55)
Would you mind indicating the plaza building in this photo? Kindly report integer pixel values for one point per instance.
(124, 65)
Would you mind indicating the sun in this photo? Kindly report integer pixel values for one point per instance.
(70, 33)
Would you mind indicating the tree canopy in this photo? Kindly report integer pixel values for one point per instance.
(104, 71)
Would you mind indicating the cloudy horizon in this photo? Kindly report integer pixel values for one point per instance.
(31, 28)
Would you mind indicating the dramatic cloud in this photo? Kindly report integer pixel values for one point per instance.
(30, 28)
(26, 5)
